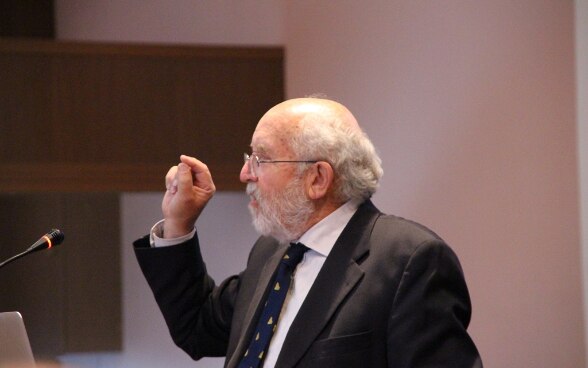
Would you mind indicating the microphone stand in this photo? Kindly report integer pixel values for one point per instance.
(14, 258)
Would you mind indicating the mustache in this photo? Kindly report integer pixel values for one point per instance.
(251, 190)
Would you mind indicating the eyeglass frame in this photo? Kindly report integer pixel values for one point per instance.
(252, 169)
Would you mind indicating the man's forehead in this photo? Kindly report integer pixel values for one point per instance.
(259, 147)
(269, 139)
(262, 140)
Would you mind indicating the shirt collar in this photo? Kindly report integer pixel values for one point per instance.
(322, 236)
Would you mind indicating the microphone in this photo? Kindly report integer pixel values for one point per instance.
(49, 240)
(52, 238)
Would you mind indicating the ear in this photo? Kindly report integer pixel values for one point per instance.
(319, 180)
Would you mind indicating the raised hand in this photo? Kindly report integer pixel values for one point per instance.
(189, 188)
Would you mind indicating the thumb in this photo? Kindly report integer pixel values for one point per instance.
(184, 177)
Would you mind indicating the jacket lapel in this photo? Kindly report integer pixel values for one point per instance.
(338, 276)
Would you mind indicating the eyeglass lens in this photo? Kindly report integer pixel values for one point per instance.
(252, 163)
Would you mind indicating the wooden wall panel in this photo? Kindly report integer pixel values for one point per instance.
(113, 117)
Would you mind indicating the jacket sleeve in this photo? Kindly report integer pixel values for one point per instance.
(431, 312)
(197, 312)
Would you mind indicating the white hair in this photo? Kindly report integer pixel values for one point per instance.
(352, 155)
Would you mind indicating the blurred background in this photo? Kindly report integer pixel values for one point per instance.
(478, 110)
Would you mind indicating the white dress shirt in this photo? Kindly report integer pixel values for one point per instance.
(320, 239)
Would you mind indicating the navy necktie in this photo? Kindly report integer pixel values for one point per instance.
(268, 320)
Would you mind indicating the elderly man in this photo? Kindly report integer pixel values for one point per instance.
(332, 281)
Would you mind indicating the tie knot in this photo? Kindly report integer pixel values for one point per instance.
(294, 254)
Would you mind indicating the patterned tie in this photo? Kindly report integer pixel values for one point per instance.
(268, 320)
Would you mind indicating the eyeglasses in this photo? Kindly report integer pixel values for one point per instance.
(253, 162)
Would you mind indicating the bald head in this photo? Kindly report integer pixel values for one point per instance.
(290, 116)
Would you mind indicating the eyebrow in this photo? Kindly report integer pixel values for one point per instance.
(260, 149)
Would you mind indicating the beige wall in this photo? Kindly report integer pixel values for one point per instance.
(581, 23)
(472, 107)
(239, 22)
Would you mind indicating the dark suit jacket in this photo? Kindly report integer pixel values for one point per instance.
(390, 294)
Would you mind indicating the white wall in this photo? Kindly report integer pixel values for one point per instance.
(472, 107)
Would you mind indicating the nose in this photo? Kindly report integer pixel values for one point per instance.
(245, 175)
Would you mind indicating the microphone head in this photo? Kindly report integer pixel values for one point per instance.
(52, 238)
(56, 236)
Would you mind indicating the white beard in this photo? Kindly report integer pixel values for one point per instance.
(283, 214)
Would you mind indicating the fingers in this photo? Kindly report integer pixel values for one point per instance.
(191, 161)
(171, 182)
(183, 178)
(190, 172)
(201, 174)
